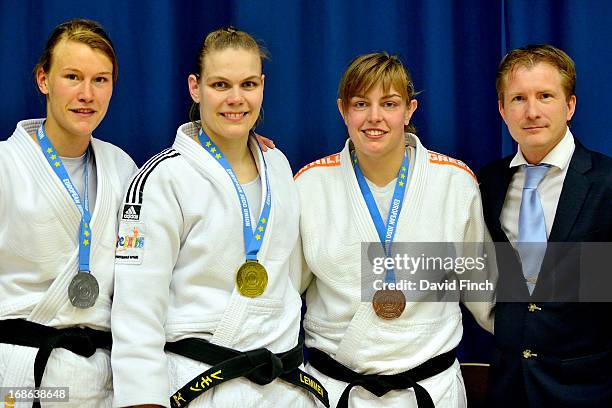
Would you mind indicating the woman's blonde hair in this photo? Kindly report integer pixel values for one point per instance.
(367, 71)
(219, 40)
(80, 30)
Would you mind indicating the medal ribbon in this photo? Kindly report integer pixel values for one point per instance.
(83, 206)
(386, 232)
(252, 238)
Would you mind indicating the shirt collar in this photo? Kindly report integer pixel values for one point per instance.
(558, 157)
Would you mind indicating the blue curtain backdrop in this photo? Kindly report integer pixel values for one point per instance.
(451, 46)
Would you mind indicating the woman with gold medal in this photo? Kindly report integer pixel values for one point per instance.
(383, 348)
(206, 309)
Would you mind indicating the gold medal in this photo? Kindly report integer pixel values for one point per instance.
(389, 304)
(251, 279)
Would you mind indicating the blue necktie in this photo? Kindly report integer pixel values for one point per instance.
(532, 227)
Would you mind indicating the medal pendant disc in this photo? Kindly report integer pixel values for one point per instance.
(389, 304)
(83, 290)
(251, 279)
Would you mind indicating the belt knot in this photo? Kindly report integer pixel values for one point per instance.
(76, 340)
(266, 366)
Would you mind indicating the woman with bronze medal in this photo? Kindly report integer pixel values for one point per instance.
(208, 243)
(60, 191)
(382, 348)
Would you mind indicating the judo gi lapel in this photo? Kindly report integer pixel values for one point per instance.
(360, 213)
(101, 214)
(208, 168)
(264, 190)
(49, 184)
(417, 182)
(61, 204)
(56, 296)
(231, 322)
(201, 160)
(365, 319)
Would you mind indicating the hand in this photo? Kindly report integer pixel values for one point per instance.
(264, 142)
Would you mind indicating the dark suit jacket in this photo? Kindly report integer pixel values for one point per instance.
(572, 341)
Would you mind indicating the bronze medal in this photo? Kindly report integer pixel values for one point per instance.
(251, 279)
(83, 290)
(389, 304)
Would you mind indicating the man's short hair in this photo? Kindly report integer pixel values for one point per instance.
(531, 55)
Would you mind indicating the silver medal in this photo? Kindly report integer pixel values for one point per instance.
(83, 290)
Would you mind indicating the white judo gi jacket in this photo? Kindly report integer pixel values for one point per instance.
(39, 257)
(442, 204)
(178, 281)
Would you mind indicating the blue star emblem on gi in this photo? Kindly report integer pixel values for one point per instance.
(49, 150)
(214, 149)
(258, 237)
(208, 144)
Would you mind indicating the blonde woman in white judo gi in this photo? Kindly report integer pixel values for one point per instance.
(60, 192)
(206, 309)
(380, 351)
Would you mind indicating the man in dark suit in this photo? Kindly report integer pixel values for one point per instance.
(548, 353)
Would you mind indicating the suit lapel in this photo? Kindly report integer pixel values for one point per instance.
(575, 189)
(494, 198)
(573, 195)
(511, 285)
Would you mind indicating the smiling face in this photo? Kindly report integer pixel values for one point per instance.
(376, 120)
(229, 91)
(78, 89)
(536, 109)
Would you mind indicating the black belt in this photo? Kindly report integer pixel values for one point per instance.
(380, 384)
(260, 366)
(81, 341)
